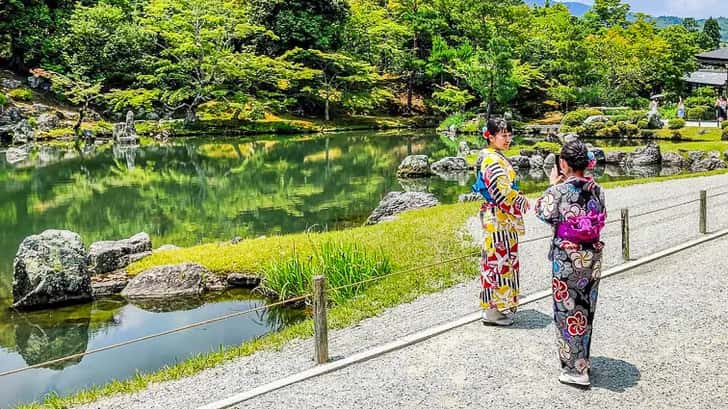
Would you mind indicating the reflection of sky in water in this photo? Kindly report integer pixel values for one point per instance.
(150, 355)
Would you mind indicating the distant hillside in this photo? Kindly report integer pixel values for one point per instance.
(664, 21)
(576, 8)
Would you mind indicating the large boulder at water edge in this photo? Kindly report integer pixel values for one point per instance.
(615, 157)
(521, 162)
(648, 155)
(50, 268)
(397, 202)
(187, 279)
(450, 165)
(711, 161)
(107, 256)
(414, 166)
(673, 160)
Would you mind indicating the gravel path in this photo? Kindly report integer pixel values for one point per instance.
(659, 341)
(650, 233)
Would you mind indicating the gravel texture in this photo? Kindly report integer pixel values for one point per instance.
(659, 342)
(473, 366)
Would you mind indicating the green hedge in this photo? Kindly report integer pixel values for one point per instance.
(576, 118)
(676, 123)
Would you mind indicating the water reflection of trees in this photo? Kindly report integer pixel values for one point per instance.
(192, 191)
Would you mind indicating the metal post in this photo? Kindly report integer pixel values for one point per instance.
(625, 234)
(703, 212)
(320, 328)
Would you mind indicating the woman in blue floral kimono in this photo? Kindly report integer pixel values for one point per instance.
(574, 206)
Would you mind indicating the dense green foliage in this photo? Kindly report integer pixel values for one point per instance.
(328, 58)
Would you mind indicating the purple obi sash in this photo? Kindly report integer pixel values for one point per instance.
(583, 229)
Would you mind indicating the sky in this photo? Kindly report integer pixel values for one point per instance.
(681, 8)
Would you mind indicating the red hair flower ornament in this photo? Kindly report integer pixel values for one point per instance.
(592, 160)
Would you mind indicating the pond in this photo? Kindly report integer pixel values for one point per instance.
(186, 192)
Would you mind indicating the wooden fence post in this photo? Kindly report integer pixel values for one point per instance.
(320, 328)
(625, 234)
(703, 212)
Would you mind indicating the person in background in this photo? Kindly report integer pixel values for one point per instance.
(681, 109)
(501, 216)
(574, 206)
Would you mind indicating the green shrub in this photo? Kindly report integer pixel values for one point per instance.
(642, 124)
(692, 102)
(724, 124)
(636, 115)
(628, 129)
(341, 263)
(21, 94)
(699, 113)
(609, 132)
(724, 134)
(676, 123)
(3, 100)
(590, 130)
(619, 118)
(637, 102)
(705, 92)
(457, 119)
(576, 118)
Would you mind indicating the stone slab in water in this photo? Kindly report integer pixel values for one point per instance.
(107, 256)
(50, 268)
(175, 280)
(108, 284)
(398, 202)
(242, 280)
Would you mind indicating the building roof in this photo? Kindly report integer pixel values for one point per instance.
(715, 57)
(706, 77)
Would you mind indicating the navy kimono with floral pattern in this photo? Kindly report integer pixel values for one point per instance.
(576, 269)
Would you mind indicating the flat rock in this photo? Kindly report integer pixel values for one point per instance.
(109, 284)
(243, 280)
(107, 256)
(177, 280)
(398, 202)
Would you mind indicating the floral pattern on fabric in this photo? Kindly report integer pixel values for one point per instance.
(576, 269)
(502, 221)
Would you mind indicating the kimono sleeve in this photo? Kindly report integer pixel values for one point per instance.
(499, 186)
(547, 206)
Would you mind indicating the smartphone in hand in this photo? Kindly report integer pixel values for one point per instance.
(558, 164)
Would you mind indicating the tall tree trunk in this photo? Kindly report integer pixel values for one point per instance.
(326, 109)
(410, 86)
